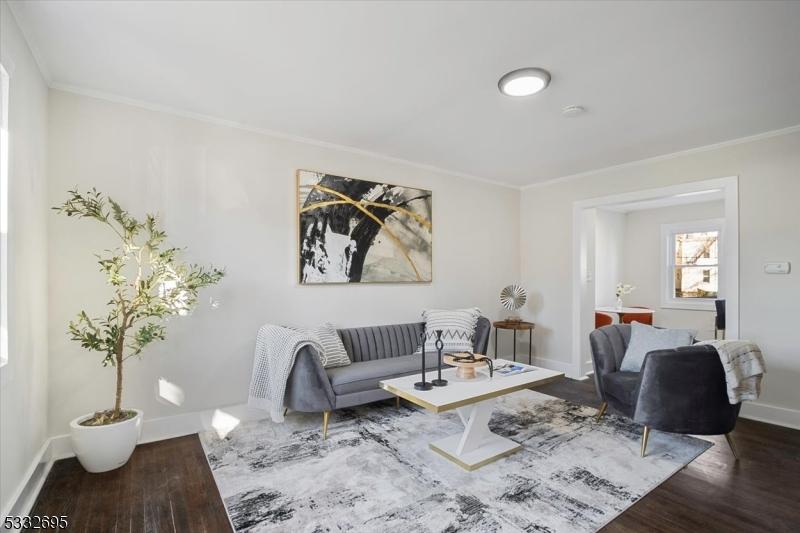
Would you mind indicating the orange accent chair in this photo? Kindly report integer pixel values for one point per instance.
(642, 318)
(602, 319)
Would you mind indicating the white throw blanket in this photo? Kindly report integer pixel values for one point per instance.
(276, 348)
(744, 367)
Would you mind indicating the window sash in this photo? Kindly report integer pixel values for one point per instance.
(701, 278)
(673, 242)
(669, 264)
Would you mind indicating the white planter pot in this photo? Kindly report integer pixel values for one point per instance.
(104, 448)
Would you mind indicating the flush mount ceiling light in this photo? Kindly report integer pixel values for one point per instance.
(524, 81)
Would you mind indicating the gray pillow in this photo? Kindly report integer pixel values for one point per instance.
(645, 339)
(333, 353)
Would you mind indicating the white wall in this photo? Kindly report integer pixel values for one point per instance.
(610, 250)
(229, 196)
(23, 381)
(643, 262)
(769, 189)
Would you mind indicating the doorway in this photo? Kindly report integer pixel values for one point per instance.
(626, 238)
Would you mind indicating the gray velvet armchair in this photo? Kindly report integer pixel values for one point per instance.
(677, 391)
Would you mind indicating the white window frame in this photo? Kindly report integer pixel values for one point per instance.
(668, 232)
(5, 155)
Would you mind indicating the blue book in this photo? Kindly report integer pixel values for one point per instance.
(512, 369)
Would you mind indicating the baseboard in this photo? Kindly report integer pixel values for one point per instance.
(222, 420)
(558, 366)
(771, 414)
(25, 495)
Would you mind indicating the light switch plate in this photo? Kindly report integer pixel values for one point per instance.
(777, 268)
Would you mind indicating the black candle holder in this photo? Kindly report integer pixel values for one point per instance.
(423, 385)
(439, 382)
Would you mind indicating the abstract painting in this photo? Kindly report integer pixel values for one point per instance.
(358, 231)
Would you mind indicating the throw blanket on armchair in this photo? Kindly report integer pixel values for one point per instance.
(744, 367)
(276, 348)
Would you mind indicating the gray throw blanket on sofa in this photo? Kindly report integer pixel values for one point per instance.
(276, 348)
(744, 367)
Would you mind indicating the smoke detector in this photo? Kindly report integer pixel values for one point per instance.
(573, 110)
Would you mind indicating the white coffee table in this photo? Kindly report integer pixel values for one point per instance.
(473, 400)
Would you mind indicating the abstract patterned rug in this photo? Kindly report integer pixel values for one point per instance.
(375, 472)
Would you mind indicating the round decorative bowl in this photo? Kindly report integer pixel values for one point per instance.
(465, 369)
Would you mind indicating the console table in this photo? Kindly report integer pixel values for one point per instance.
(515, 325)
(619, 311)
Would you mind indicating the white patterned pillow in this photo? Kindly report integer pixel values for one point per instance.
(457, 325)
(333, 352)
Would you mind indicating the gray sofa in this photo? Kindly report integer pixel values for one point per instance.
(377, 353)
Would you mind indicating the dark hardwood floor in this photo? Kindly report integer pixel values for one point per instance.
(760, 492)
(167, 486)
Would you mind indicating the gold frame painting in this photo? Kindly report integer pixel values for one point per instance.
(360, 231)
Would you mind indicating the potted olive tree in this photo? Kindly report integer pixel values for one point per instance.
(148, 284)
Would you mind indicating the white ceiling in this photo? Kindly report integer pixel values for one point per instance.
(418, 81)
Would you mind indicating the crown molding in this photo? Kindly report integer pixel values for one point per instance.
(82, 91)
(422, 166)
(666, 157)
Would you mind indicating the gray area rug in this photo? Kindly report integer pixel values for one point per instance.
(375, 472)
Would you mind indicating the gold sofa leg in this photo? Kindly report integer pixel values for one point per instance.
(326, 416)
(645, 436)
(730, 443)
(397, 401)
(601, 410)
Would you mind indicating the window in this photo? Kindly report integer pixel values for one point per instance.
(692, 272)
(692, 251)
(3, 216)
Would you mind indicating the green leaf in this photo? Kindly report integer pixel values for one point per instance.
(150, 284)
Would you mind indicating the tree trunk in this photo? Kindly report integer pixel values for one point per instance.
(118, 400)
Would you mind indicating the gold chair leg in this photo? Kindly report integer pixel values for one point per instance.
(733, 447)
(326, 416)
(601, 411)
(285, 410)
(645, 436)
(397, 401)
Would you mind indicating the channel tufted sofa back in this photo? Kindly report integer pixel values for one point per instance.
(381, 342)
